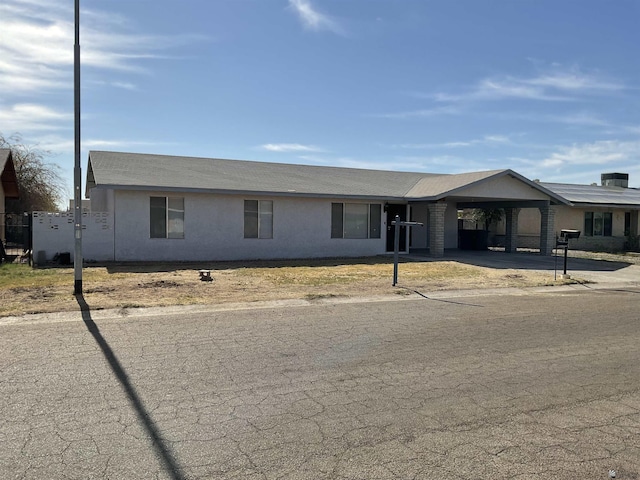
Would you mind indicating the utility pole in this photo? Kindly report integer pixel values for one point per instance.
(77, 176)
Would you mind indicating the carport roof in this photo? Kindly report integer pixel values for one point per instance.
(135, 171)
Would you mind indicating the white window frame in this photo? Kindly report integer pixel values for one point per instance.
(173, 225)
(264, 227)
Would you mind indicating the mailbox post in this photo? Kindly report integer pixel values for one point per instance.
(563, 241)
(396, 243)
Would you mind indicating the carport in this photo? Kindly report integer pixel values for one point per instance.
(435, 201)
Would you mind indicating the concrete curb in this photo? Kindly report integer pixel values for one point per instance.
(408, 295)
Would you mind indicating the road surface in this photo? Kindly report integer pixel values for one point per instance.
(529, 386)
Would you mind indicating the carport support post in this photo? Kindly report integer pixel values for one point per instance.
(547, 229)
(436, 228)
(511, 237)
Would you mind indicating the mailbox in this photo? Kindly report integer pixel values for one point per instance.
(569, 234)
(563, 241)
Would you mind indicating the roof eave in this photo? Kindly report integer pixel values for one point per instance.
(160, 188)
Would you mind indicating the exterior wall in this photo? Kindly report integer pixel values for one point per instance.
(568, 218)
(214, 230)
(505, 187)
(54, 233)
(101, 200)
(420, 235)
(451, 225)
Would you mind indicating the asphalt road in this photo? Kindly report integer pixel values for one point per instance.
(536, 386)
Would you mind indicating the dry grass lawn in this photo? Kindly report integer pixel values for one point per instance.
(25, 290)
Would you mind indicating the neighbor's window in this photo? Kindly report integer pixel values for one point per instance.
(167, 217)
(598, 224)
(627, 224)
(355, 220)
(258, 219)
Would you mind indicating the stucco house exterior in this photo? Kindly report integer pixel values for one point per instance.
(605, 214)
(170, 208)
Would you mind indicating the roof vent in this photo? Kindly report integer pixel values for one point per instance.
(615, 180)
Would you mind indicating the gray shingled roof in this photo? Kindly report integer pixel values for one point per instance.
(163, 172)
(595, 194)
(145, 171)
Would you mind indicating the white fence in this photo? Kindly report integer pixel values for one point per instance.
(54, 233)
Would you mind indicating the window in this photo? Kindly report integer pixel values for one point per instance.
(258, 219)
(627, 224)
(598, 224)
(355, 220)
(166, 217)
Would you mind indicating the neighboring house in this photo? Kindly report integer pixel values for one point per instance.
(8, 185)
(167, 208)
(606, 214)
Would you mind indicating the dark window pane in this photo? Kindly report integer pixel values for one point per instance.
(158, 217)
(356, 218)
(627, 223)
(336, 220)
(597, 224)
(608, 224)
(250, 219)
(588, 224)
(375, 220)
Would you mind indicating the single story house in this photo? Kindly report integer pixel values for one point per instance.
(171, 208)
(605, 214)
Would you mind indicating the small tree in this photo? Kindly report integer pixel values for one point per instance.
(487, 216)
(40, 185)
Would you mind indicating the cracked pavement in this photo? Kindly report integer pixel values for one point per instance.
(526, 386)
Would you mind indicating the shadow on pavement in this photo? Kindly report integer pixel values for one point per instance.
(531, 261)
(439, 299)
(170, 464)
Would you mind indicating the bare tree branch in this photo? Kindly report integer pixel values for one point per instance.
(40, 184)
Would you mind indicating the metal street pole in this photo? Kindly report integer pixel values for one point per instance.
(77, 177)
(396, 248)
(397, 223)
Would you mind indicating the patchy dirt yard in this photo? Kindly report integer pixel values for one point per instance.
(25, 290)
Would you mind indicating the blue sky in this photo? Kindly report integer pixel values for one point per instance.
(546, 88)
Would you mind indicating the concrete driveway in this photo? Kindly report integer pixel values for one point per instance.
(598, 271)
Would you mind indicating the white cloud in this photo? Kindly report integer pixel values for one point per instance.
(36, 47)
(28, 117)
(605, 152)
(422, 113)
(312, 19)
(289, 147)
(488, 140)
(554, 85)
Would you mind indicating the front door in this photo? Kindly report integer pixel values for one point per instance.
(392, 211)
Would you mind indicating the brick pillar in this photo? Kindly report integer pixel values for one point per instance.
(436, 228)
(511, 230)
(547, 229)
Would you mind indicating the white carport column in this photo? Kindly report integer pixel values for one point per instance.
(547, 229)
(436, 228)
(511, 221)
